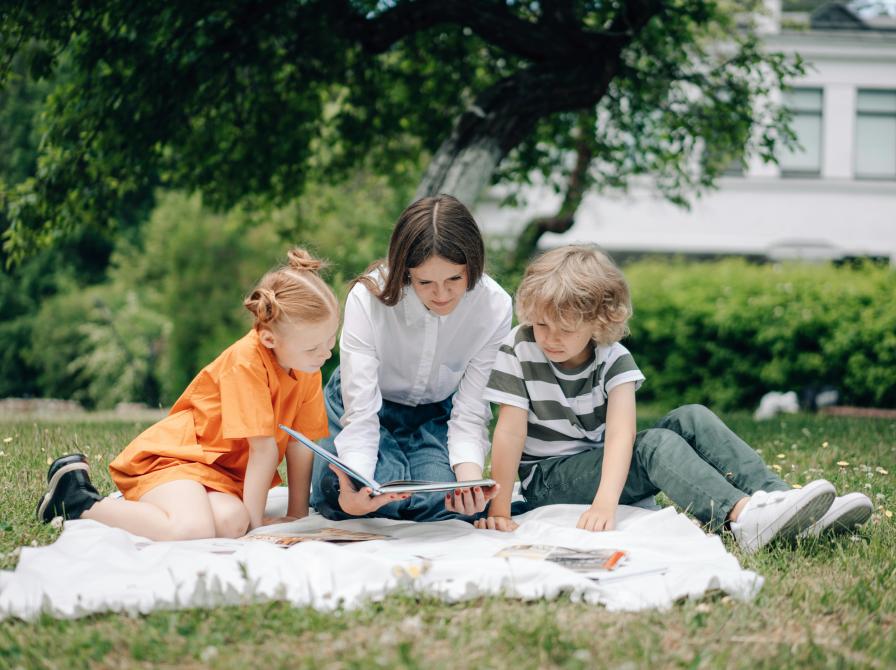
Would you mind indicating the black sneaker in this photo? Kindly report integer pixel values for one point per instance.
(69, 490)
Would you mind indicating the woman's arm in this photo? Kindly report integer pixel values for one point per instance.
(358, 442)
(467, 433)
(619, 439)
(259, 474)
(468, 442)
(507, 447)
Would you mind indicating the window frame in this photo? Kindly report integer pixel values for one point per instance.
(873, 114)
(815, 113)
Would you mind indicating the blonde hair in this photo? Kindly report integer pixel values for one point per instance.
(293, 293)
(573, 285)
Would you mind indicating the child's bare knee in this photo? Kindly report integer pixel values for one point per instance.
(234, 523)
(191, 529)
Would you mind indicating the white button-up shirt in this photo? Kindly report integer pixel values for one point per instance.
(411, 356)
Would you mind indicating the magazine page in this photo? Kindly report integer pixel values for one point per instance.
(583, 561)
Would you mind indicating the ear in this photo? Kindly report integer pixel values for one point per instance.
(267, 338)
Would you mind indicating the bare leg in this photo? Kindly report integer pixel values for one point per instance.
(734, 514)
(230, 514)
(178, 510)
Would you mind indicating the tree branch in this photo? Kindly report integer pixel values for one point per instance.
(557, 37)
(565, 217)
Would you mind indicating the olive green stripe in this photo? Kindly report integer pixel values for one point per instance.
(551, 410)
(624, 363)
(538, 372)
(524, 334)
(507, 383)
(545, 434)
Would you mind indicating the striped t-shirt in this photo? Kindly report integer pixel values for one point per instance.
(567, 408)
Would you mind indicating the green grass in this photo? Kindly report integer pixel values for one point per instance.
(828, 603)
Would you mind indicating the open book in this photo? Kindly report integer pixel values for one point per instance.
(376, 488)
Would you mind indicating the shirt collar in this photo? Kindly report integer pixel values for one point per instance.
(414, 310)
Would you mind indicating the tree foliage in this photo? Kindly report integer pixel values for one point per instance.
(243, 100)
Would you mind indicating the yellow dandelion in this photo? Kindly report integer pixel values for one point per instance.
(777, 467)
(888, 514)
(824, 444)
(797, 486)
(7, 440)
(782, 456)
(842, 464)
(879, 470)
(49, 461)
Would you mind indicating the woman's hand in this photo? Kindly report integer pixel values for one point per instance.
(598, 517)
(469, 501)
(502, 523)
(359, 503)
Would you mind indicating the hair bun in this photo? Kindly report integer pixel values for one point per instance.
(262, 302)
(299, 259)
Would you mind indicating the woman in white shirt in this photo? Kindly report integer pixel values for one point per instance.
(419, 339)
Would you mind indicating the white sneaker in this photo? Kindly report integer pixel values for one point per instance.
(779, 515)
(845, 514)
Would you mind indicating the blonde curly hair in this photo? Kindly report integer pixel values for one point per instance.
(573, 285)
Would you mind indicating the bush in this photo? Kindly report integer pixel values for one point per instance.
(726, 332)
(97, 346)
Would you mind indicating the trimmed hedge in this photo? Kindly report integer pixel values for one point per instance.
(726, 332)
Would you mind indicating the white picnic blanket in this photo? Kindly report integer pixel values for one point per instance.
(92, 568)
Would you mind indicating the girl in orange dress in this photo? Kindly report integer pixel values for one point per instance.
(205, 469)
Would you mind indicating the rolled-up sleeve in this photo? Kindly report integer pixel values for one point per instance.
(358, 442)
(470, 415)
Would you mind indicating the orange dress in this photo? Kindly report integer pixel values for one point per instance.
(243, 393)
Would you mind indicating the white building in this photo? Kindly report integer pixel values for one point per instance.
(834, 199)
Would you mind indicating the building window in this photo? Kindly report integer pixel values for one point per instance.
(876, 134)
(805, 159)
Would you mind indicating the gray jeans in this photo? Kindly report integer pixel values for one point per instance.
(690, 455)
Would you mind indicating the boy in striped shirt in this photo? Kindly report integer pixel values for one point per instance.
(566, 390)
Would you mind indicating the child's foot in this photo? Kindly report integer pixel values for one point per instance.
(69, 490)
(845, 514)
(778, 515)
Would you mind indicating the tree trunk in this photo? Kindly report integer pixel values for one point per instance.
(461, 170)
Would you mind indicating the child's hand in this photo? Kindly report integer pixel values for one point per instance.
(597, 518)
(470, 501)
(359, 503)
(502, 523)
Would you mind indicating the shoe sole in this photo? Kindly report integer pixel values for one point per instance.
(850, 520)
(66, 460)
(812, 511)
(53, 483)
(847, 522)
